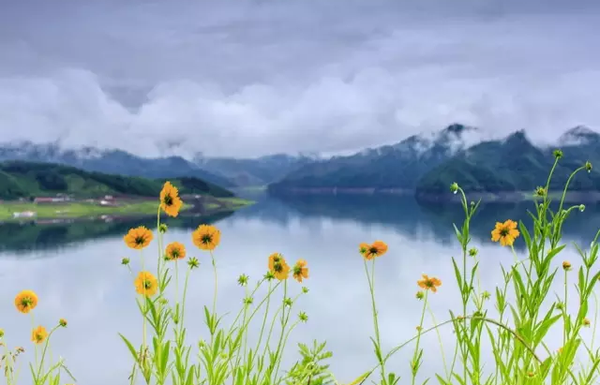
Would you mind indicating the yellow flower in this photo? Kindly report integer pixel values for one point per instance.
(300, 270)
(377, 249)
(26, 301)
(505, 233)
(170, 202)
(206, 237)
(428, 283)
(274, 258)
(175, 250)
(363, 248)
(138, 238)
(146, 284)
(39, 335)
(278, 266)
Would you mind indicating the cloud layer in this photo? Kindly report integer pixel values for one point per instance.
(248, 79)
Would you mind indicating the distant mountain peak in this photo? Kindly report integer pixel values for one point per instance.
(579, 135)
(517, 136)
(458, 129)
(581, 130)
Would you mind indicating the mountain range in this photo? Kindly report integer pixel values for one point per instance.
(424, 164)
(225, 172)
(427, 165)
(398, 166)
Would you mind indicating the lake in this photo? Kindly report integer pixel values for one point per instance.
(76, 271)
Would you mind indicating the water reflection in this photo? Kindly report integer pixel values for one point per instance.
(76, 271)
(24, 237)
(409, 218)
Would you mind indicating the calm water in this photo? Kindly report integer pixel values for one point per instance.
(76, 271)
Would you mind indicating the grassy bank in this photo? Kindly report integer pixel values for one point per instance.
(130, 208)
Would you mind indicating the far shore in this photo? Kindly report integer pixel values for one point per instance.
(18, 211)
(444, 197)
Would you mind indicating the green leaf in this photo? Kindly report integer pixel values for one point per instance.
(132, 350)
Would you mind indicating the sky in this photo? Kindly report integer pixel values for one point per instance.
(246, 78)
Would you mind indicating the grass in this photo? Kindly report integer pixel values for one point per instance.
(75, 210)
(84, 209)
(514, 321)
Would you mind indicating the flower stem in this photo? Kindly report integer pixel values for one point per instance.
(370, 279)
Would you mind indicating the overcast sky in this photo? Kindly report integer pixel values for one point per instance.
(248, 78)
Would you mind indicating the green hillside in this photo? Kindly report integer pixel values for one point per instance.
(509, 166)
(20, 179)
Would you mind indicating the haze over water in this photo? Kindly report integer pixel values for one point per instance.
(76, 271)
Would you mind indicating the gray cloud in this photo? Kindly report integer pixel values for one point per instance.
(250, 78)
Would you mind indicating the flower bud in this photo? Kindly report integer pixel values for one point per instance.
(243, 280)
(454, 187)
(193, 263)
(558, 154)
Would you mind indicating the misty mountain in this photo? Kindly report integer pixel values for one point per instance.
(516, 165)
(255, 172)
(398, 166)
(110, 162)
(429, 164)
(225, 172)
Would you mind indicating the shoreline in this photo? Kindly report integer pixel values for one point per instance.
(444, 197)
(137, 208)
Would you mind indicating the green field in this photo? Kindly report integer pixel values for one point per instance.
(83, 210)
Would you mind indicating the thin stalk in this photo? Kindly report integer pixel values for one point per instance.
(284, 320)
(40, 366)
(565, 308)
(488, 320)
(416, 353)
(374, 310)
(595, 319)
(214, 306)
(35, 346)
(144, 320)
(439, 335)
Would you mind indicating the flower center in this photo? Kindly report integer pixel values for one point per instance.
(139, 240)
(504, 232)
(168, 200)
(147, 284)
(206, 238)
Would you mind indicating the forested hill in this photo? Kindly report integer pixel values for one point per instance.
(20, 179)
